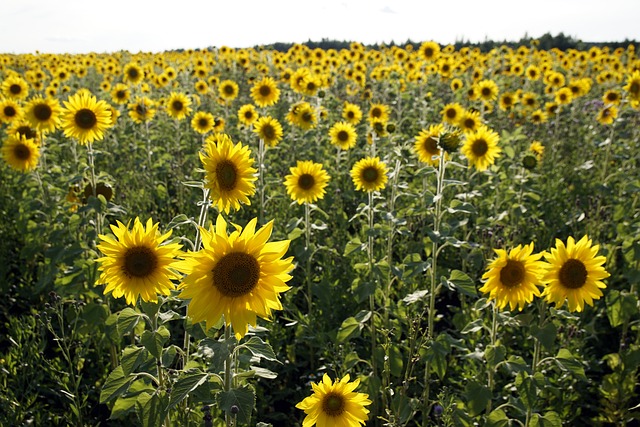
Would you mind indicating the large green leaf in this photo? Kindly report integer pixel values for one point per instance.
(571, 363)
(259, 348)
(116, 384)
(185, 385)
(238, 402)
(151, 409)
(154, 341)
(477, 397)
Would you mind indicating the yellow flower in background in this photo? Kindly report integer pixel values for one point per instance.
(10, 110)
(481, 148)
(85, 118)
(43, 113)
(133, 74)
(426, 145)
(469, 121)
(20, 152)
(343, 134)
(563, 96)
(633, 86)
(178, 106)
(202, 122)
(607, 115)
(429, 51)
(335, 403)
(369, 174)
(513, 277)
(351, 113)
(575, 274)
(142, 110)
(487, 90)
(239, 276)
(120, 94)
(247, 114)
(228, 90)
(451, 113)
(229, 172)
(265, 92)
(15, 87)
(307, 182)
(379, 112)
(269, 130)
(137, 263)
(537, 148)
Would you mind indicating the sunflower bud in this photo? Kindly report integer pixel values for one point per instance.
(450, 141)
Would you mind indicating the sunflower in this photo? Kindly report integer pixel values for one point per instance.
(611, 97)
(10, 110)
(133, 74)
(633, 86)
(343, 134)
(240, 276)
(575, 274)
(229, 174)
(269, 130)
(512, 277)
(43, 113)
(351, 113)
(302, 115)
(426, 145)
(481, 148)
(335, 404)
(228, 90)
(136, 263)
(201, 87)
(369, 174)
(487, 90)
(85, 118)
(451, 113)
(379, 112)
(563, 96)
(20, 152)
(607, 115)
(307, 182)
(202, 122)
(265, 92)
(24, 128)
(247, 114)
(120, 94)
(469, 121)
(429, 50)
(178, 105)
(15, 87)
(537, 148)
(142, 110)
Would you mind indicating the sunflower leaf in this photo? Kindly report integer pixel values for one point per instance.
(186, 385)
(568, 362)
(259, 348)
(116, 384)
(154, 341)
(238, 402)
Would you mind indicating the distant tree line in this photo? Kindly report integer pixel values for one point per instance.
(545, 42)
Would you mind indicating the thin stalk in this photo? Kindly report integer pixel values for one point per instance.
(261, 177)
(307, 250)
(491, 369)
(94, 184)
(228, 371)
(542, 309)
(372, 303)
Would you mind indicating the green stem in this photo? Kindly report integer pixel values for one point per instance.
(261, 177)
(228, 371)
(372, 303)
(542, 309)
(491, 369)
(308, 281)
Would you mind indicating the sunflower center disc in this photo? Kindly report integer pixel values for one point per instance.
(265, 91)
(343, 136)
(351, 114)
(121, 94)
(469, 123)
(227, 175)
(140, 261)
(480, 147)
(451, 113)
(9, 111)
(306, 117)
(236, 274)
(376, 112)
(431, 145)
(306, 181)
(203, 123)
(86, 119)
(22, 152)
(370, 174)
(177, 105)
(133, 73)
(634, 88)
(15, 89)
(333, 404)
(141, 109)
(42, 112)
(26, 131)
(573, 274)
(486, 91)
(228, 90)
(268, 132)
(512, 274)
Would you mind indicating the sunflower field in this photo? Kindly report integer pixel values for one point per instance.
(390, 236)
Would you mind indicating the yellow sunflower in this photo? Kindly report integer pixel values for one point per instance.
(133, 74)
(43, 113)
(239, 276)
(269, 130)
(369, 174)
(611, 97)
(20, 152)
(451, 113)
(487, 90)
(512, 277)
(307, 182)
(142, 110)
(302, 115)
(178, 105)
(607, 115)
(426, 145)
(379, 112)
(575, 274)
(229, 174)
(335, 404)
(507, 101)
(563, 96)
(469, 121)
(228, 90)
(202, 122)
(481, 148)
(136, 263)
(15, 87)
(537, 148)
(265, 92)
(85, 118)
(10, 110)
(247, 114)
(633, 86)
(429, 50)
(539, 117)
(351, 113)
(343, 134)
(24, 128)
(120, 94)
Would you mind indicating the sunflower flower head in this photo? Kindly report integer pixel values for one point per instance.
(307, 182)
(21, 152)
(239, 276)
(369, 174)
(513, 276)
(575, 274)
(481, 148)
(85, 118)
(136, 263)
(335, 404)
(229, 173)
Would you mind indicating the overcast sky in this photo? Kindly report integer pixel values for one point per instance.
(80, 26)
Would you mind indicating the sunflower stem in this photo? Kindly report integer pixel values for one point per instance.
(542, 309)
(261, 177)
(307, 249)
(228, 370)
(432, 290)
(491, 369)
(372, 302)
(94, 185)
